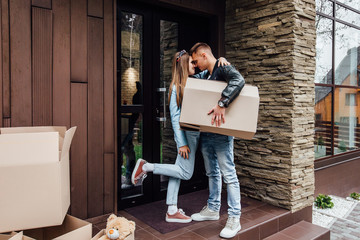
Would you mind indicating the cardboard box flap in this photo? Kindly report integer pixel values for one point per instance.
(61, 130)
(72, 228)
(28, 149)
(69, 134)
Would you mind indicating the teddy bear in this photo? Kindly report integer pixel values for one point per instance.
(118, 228)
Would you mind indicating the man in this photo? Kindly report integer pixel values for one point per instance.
(218, 149)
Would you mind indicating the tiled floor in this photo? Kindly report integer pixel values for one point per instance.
(258, 220)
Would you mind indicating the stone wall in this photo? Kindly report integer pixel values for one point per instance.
(272, 43)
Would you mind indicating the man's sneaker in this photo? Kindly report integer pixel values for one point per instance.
(138, 174)
(205, 214)
(231, 228)
(178, 217)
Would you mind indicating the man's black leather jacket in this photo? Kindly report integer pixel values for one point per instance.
(235, 81)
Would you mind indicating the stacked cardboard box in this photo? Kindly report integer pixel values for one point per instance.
(35, 184)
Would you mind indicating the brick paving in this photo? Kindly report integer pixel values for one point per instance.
(347, 227)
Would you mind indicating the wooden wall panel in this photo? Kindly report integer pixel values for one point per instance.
(5, 58)
(20, 52)
(78, 41)
(95, 116)
(42, 3)
(109, 182)
(95, 8)
(79, 155)
(61, 63)
(42, 66)
(6, 122)
(109, 129)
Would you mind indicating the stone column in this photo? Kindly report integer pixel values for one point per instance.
(272, 44)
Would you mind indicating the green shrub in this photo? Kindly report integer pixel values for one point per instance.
(323, 201)
(355, 196)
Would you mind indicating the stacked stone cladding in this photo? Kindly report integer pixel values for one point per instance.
(272, 44)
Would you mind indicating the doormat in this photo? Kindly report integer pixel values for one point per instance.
(153, 214)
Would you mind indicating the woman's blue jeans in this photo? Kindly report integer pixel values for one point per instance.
(182, 169)
(218, 153)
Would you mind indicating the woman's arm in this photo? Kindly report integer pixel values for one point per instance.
(175, 111)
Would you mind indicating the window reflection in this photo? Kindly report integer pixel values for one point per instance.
(347, 42)
(323, 100)
(351, 3)
(323, 73)
(346, 128)
(324, 6)
(347, 15)
(131, 56)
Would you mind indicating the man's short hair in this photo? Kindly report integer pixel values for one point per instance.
(198, 46)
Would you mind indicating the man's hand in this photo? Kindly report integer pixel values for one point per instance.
(184, 151)
(218, 115)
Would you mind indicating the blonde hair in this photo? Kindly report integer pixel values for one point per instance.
(180, 73)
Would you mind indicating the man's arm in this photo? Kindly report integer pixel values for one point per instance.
(235, 83)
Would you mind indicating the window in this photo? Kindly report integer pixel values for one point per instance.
(350, 99)
(337, 87)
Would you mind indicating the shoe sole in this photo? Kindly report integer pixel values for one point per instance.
(205, 218)
(177, 220)
(230, 236)
(135, 170)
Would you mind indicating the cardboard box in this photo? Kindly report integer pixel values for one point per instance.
(71, 229)
(14, 236)
(202, 95)
(102, 233)
(34, 177)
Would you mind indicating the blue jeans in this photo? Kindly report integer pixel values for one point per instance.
(182, 169)
(218, 153)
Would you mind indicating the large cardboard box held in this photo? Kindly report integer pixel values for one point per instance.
(102, 233)
(72, 228)
(202, 95)
(34, 177)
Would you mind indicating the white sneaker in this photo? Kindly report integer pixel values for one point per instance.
(231, 228)
(205, 214)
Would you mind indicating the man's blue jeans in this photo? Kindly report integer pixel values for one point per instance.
(218, 153)
(182, 169)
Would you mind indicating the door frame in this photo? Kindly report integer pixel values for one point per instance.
(152, 14)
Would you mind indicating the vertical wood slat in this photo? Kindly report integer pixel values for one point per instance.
(42, 66)
(95, 117)
(61, 63)
(6, 122)
(95, 8)
(1, 81)
(109, 129)
(78, 41)
(109, 181)
(79, 151)
(5, 58)
(20, 52)
(42, 3)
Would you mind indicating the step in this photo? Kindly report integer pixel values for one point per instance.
(302, 230)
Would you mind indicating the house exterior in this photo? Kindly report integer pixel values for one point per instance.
(105, 67)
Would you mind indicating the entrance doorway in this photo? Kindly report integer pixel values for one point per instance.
(147, 38)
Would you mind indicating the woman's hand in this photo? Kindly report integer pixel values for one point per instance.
(223, 62)
(184, 151)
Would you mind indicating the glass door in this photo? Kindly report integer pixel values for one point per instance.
(147, 39)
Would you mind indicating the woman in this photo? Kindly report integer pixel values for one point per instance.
(186, 141)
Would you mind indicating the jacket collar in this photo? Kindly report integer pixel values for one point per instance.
(213, 71)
